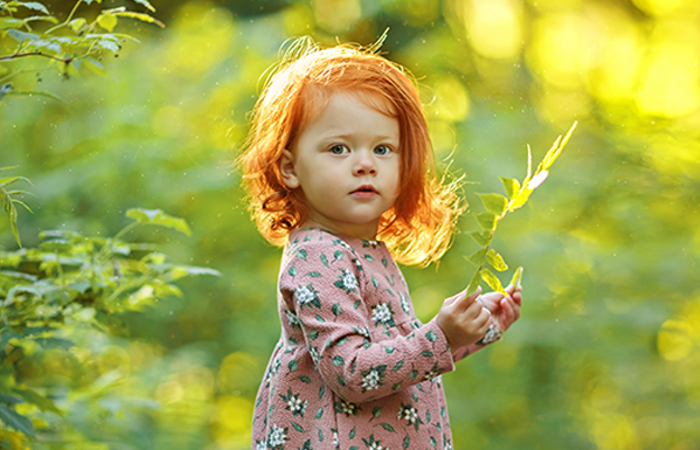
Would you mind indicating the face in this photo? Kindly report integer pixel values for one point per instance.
(346, 162)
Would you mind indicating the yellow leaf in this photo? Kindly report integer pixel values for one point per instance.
(496, 260)
(493, 281)
(107, 21)
(517, 277)
(140, 16)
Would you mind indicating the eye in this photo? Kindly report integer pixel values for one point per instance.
(382, 150)
(339, 149)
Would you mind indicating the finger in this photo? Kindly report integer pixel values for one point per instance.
(506, 319)
(455, 298)
(518, 298)
(467, 301)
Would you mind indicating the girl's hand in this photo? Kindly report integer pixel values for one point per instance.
(505, 309)
(463, 319)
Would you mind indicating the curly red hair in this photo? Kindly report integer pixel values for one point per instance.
(418, 229)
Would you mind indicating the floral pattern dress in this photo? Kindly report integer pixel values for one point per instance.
(354, 368)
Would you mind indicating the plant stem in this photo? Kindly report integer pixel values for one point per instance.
(22, 55)
(67, 21)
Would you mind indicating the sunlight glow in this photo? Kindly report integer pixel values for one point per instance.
(337, 15)
(671, 83)
(494, 27)
(451, 99)
(561, 49)
(663, 7)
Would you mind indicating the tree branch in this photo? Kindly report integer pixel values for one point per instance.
(21, 55)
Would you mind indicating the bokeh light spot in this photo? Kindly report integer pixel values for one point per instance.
(674, 340)
(494, 27)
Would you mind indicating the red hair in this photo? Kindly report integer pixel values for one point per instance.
(418, 229)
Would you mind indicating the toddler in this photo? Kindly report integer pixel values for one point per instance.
(340, 171)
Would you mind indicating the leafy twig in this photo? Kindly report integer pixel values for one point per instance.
(497, 206)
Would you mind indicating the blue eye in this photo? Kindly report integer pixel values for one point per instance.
(339, 149)
(382, 150)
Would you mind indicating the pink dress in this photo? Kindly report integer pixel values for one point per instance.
(354, 368)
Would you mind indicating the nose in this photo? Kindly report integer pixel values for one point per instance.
(364, 163)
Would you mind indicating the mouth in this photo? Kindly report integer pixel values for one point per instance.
(365, 189)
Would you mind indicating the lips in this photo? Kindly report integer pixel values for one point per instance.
(365, 189)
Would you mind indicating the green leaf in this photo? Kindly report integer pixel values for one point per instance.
(517, 277)
(95, 66)
(36, 6)
(480, 237)
(496, 260)
(494, 203)
(493, 281)
(39, 93)
(10, 22)
(44, 403)
(474, 283)
(556, 149)
(478, 258)
(21, 36)
(140, 16)
(107, 21)
(520, 199)
(487, 220)
(146, 4)
(77, 24)
(511, 185)
(50, 19)
(17, 421)
(388, 427)
(158, 217)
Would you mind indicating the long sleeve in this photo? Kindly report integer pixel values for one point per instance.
(356, 326)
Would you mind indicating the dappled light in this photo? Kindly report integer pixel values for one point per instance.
(607, 351)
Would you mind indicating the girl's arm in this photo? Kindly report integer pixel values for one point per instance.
(324, 291)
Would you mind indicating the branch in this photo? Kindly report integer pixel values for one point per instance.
(21, 55)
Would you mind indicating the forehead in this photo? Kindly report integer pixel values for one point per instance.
(315, 98)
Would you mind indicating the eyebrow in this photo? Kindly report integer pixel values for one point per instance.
(331, 135)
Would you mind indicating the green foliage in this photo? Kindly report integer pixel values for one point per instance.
(26, 33)
(497, 206)
(9, 203)
(68, 282)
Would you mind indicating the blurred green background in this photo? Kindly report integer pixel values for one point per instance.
(606, 354)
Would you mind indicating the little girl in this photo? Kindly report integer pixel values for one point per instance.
(339, 169)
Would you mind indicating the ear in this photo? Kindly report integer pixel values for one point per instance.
(289, 175)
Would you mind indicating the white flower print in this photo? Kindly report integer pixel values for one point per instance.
(492, 335)
(376, 446)
(305, 295)
(404, 303)
(347, 281)
(429, 376)
(276, 366)
(260, 445)
(363, 332)
(277, 437)
(408, 413)
(297, 406)
(371, 380)
(347, 408)
(336, 440)
(292, 318)
(382, 313)
(315, 355)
